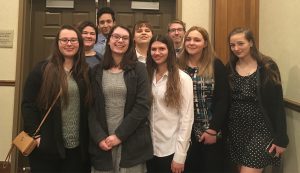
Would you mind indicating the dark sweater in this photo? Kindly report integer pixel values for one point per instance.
(220, 102)
(270, 97)
(134, 130)
(272, 103)
(51, 145)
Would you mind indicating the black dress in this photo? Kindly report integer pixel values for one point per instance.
(248, 132)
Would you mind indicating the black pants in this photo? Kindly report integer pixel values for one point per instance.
(203, 158)
(160, 164)
(71, 164)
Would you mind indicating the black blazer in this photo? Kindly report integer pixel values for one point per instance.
(51, 131)
(134, 131)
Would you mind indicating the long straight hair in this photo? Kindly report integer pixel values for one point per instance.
(129, 57)
(205, 65)
(266, 62)
(55, 77)
(173, 92)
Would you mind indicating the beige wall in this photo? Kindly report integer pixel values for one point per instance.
(279, 32)
(292, 156)
(197, 12)
(9, 18)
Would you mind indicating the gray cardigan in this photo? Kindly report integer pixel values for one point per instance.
(134, 131)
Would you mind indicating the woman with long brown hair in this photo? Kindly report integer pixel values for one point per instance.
(63, 138)
(210, 88)
(171, 116)
(257, 123)
(118, 121)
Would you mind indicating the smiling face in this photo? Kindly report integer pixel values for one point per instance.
(194, 43)
(89, 37)
(239, 45)
(105, 23)
(142, 35)
(68, 43)
(176, 33)
(119, 41)
(159, 52)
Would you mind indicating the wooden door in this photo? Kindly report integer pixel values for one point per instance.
(47, 21)
(159, 19)
(230, 14)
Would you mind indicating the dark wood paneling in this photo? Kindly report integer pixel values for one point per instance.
(159, 19)
(47, 21)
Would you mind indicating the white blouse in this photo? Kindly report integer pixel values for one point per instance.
(170, 128)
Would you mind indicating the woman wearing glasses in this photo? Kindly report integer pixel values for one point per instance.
(118, 121)
(63, 138)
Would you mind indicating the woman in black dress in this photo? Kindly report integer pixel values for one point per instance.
(257, 125)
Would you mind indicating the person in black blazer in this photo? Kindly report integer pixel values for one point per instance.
(118, 121)
(63, 138)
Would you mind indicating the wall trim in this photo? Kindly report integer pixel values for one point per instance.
(291, 104)
(7, 83)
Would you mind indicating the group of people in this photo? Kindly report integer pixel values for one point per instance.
(137, 102)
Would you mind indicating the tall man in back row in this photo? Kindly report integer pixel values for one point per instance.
(105, 21)
(176, 31)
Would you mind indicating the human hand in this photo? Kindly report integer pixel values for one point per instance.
(112, 140)
(102, 145)
(208, 137)
(38, 141)
(177, 167)
(279, 150)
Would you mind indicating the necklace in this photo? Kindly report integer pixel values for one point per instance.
(116, 65)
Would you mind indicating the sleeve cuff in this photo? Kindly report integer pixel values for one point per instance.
(179, 158)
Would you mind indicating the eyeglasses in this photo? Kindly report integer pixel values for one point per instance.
(66, 40)
(117, 37)
(176, 29)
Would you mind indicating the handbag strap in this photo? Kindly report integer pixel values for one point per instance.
(47, 113)
(6, 161)
(36, 131)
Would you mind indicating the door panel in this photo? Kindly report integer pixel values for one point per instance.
(47, 21)
(230, 14)
(159, 19)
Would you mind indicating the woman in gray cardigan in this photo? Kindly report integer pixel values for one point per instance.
(118, 121)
